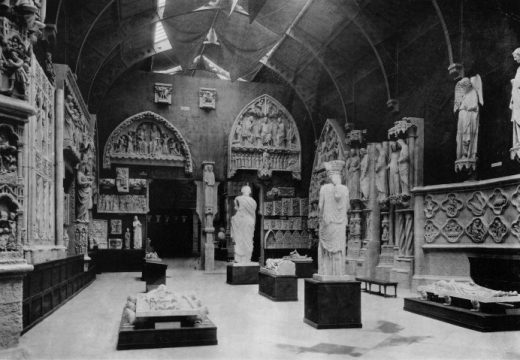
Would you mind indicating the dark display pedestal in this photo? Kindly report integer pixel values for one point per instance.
(111, 260)
(304, 269)
(332, 305)
(177, 335)
(242, 274)
(154, 273)
(455, 315)
(278, 287)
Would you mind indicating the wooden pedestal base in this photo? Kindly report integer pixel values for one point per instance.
(304, 269)
(242, 274)
(154, 273)
(475, 320)
(332, 305)
(278, 287)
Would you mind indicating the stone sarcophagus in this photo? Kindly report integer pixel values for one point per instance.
(264, 138)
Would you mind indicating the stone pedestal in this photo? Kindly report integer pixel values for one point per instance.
(332, 305)
(11, 294)
(351, 261)
(154, 274)
(402, 272)
(242, 274)
(304, 268)
(386, 263)
(278, 287)
(209, 253)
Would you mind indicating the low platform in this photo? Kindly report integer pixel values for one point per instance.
(332, 305)
(304, 268)
(240, 274)
(161, 335)
(380, 283)
(278, 287)
(455, 315)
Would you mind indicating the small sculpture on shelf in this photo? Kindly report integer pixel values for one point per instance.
(333, 207)
(138, 233)
(243, 225)
(127, 238)
(468, 96)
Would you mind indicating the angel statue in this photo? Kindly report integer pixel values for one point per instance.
(515, 108)
(468, 95)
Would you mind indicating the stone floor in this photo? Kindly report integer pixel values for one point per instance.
(253, 327)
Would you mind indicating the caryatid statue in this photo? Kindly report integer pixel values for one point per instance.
(515, 109)
(243, 225)
(468, 95)
(333, 206)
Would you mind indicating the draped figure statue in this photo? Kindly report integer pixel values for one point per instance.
(138, 233)
(354, 174)
(243, 225)
(393, 179)
(515, 108)
(84, 193)
(333, 206)
(468, 95)
(381, 172)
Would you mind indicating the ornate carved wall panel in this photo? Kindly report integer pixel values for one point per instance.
(147, 139)
(265, 138)
(41, 157)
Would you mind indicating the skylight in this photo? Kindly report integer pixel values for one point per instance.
(170, 71)
(161, 42)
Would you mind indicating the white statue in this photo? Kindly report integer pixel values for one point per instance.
(138, 233)
(404, 167)
(364, 180)
(515, 108)
(333, 207)
(393, 180)
(381, 172)
(243, 225)
(127, 238)
(468, 95)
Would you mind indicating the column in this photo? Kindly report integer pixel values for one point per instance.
(59, 166)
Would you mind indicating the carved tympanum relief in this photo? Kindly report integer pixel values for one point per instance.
(431, 231)
(498, 201)
(452, 205)
(452, 230)
(430, 207)
(477, 203)
(147, 138)
(497, 230)
(477, 230)
(264, 137)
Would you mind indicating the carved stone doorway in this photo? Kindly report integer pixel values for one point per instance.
(172, 224)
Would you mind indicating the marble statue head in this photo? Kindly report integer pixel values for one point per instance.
(334, 169)
(246, 190)
(516, 55)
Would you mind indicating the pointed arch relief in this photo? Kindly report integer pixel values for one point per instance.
(264, 137)
(147, 139)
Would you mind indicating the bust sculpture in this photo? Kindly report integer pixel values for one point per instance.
(333, 207)
(243, 225)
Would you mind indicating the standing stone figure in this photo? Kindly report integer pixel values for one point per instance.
(515, 108)
(381, 172)
(208, 177)
(393, 181)
(243, 225)
(127, 238)
(84, 193)
(138, 233)
(468, 95)
(404, 167)
(364, 180)
(333, 207)
(354, 174)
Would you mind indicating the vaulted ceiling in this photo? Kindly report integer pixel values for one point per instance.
(313, 45)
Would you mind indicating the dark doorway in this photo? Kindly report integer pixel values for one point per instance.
(170, 220)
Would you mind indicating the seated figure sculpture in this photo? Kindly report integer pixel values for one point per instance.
(243, 226)
(333, 207)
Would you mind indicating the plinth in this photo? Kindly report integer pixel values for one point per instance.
(332, 304)
(242, 274)
(154, 273)
(278, 287)
(304, 268)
